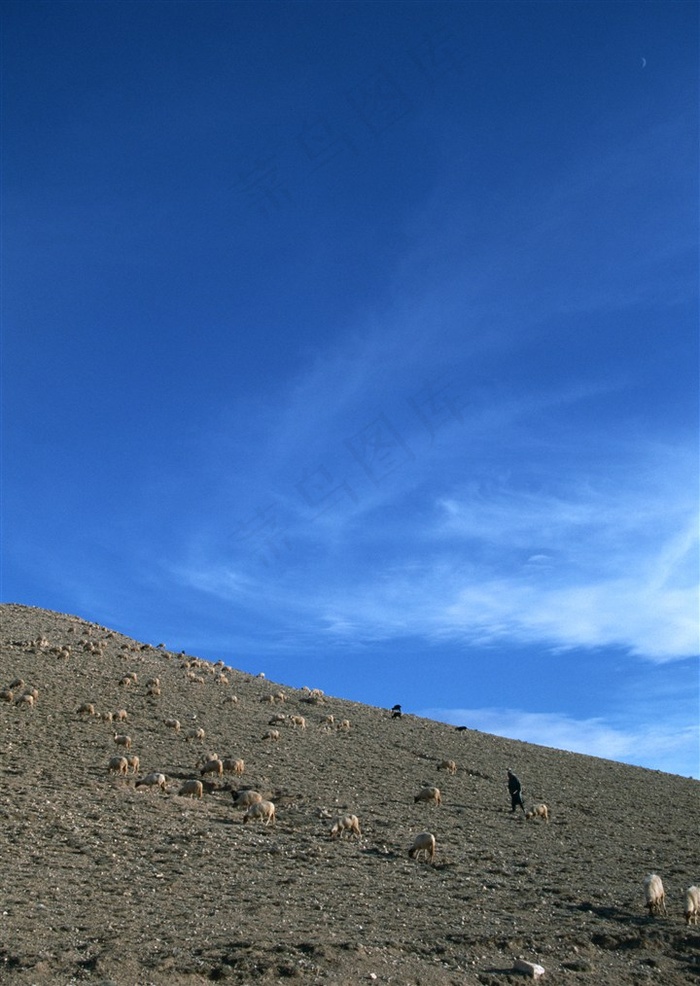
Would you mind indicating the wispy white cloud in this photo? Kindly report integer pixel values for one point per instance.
(664, 743)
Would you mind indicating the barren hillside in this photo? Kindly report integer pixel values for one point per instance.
(110, 883)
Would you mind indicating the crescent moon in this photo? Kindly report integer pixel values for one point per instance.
(644, 63)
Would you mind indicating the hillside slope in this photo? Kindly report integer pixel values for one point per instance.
(108, 883)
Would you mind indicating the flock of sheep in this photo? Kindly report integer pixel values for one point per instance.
(257, 807)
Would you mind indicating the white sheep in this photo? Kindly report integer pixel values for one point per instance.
(120, 715)
(538, 811)
(86, 709)
(654, 894)
(272, 734)
(343, 726)
(134, 763)
(172, 724)
(118, 765)
(243, 799)
(192, 789)
(6, 695)
(214, 766)
(231, 700)
(299, 721)
(423, 843)
(195, 734)
(277, 719)
(429, 794)
(234, 766)
(263, 810)
(692, 905)
(449, 765)
(26, 701)
(345, 823)
(155, 779)
(122, 740)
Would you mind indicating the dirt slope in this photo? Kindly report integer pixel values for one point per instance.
(104, 882)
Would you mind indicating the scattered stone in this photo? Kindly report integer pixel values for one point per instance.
(528, 968)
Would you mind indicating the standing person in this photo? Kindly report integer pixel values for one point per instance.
(515, 789)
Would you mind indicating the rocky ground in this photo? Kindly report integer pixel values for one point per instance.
(106, 882)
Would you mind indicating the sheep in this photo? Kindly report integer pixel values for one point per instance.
(343, 726)
(118, 765)
(243, 799)
(195, 734)
(277, 719)
(107, 716)
(26, 701)
(692, 905)
(272, 734)
(86, 709)
(328, 720)
(429, 794)
(154, 779)
(134, 763)
(192, 789)
(120, 715)
(126, 681)
(6, 695)
(17, 683)
(423, 843)
(264, 810)
(121, 740)
(299, 721)
(449, 765)
(654, 894)
(153, 692)
(234, 766)
(214, 766)
(538, 811)
(345, 823)
(231, 700)
(153, 683)
(172, 724)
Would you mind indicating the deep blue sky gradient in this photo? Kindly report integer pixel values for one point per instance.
(357, 343)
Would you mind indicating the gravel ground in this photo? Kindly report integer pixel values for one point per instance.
(106, 882)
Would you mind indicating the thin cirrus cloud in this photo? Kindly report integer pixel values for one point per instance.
(664, 743)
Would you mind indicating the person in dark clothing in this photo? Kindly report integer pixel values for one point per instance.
(515, 789)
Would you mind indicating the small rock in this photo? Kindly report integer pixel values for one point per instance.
(528, 968)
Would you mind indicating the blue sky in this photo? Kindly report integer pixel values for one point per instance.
(356, 343)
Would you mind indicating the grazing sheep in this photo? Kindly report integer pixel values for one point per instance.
(429, 794)
(195, 734)
(154, 779)
(231, 699)
(264, 810)
(6, 695)
(299, 721)
(126, 681)
(172, 724)
(134, 763)
(234, 766)
(654, 894)
(26, 701)
(343, 726)
(538, 811)
(153, 683)
(423, 843)
(277, 719)
(153, 692)
(272, 734)
(121, 740)
(86, 709)
(120, 715)
(17, 683)
(449, 765)
(214, 766)
(192, 789)
(107, 716)
(345, 823)
(328, 720)
(243, 799)
(118, 765)
(692, 905)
